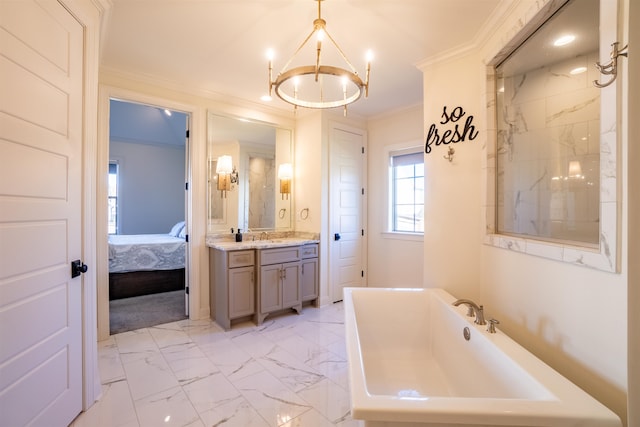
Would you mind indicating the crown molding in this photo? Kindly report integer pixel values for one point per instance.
(481, 37)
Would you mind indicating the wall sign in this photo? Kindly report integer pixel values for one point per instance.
(450, 135)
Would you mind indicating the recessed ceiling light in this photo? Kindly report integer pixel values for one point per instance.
(578, 70)
(265, 98)
(167, 112)
(564, 40)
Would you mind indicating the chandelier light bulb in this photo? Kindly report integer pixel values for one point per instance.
(270, 54)
(369, 56)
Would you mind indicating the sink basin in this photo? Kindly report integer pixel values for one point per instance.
(409, 362)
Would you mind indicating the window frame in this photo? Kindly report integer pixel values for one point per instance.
(116, 197)
(392, 151)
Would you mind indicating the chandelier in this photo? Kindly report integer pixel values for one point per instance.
(319, 86)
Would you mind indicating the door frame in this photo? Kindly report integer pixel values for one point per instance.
(89, 14)
(333, 125)
(195, 117)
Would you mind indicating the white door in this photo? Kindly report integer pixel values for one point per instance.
(346, 194)
(41, 47)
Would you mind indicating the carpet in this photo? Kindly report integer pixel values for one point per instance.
(128, 314)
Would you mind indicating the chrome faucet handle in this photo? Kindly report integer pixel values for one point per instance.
(491, 327)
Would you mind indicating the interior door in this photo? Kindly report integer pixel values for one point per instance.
(346, 247)
(41, 48)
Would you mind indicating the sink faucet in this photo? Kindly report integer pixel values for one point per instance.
(474, 309)
(265, 234)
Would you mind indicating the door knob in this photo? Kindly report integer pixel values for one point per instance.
(77, 268)
(336, 236)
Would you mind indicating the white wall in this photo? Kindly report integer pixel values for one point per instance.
(393, 261)
(573, 318)
(151, 186)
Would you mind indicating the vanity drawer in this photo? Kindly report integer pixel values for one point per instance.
(309, 251)
(279, 255)
(241, 258)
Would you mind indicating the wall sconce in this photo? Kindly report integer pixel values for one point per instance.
(227, 174)
(285, 174)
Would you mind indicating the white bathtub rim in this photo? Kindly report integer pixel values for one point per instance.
(565, 401)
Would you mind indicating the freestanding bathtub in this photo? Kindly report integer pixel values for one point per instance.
(410, 365)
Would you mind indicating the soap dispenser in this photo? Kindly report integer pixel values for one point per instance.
(239, 236)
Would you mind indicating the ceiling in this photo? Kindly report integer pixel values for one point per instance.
(218, 47)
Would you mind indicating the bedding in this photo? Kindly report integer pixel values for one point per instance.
(145, 252)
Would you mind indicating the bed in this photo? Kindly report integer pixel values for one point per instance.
(143, 264)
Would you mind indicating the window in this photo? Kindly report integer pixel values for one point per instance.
(113, 199)
(406, 184)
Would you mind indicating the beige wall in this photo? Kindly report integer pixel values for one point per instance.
(631, 125)
(574, 318)
(452, 238)
(394, 261)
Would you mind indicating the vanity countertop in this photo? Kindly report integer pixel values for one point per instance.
(249, 243)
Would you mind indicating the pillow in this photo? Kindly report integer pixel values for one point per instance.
(183, 233)
(176, 229)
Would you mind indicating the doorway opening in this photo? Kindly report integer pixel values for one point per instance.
(148, 239)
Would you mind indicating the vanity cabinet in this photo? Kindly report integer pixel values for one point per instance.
(253, 279)
(233, 289)
(279, 281)
(309, 273)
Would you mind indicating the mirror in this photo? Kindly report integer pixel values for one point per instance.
(548, 131)
(249, 197)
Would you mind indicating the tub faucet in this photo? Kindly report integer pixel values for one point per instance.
(474, 309)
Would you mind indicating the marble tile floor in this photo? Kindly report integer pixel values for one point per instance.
(290, 371)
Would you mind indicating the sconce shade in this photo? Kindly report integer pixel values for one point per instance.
(575, 170)
(285, 174)
(225, 165)
(224, 169)
(285, 171)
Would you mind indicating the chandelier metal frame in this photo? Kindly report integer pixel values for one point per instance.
(318, 70)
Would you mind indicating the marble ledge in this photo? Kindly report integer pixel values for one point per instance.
(600, 258)
(274, 239)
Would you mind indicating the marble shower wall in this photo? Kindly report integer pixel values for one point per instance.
(262, 178)
(548, 152)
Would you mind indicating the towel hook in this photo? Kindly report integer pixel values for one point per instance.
(611, 69)
(449, 155)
